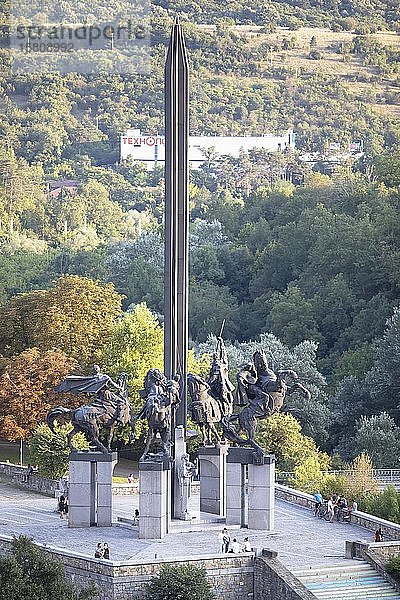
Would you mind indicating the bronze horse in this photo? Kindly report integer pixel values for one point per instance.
(263, 393)
(106, 411)
(205, 410)
(161, 398)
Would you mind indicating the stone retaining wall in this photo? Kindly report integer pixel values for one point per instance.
(230, 576)
(17, 475)
(272, 580)
(390, 530)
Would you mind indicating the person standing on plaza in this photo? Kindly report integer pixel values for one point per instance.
(331, 510)
(224, 539)
(61, 506)
(66, 507)
(318, 501)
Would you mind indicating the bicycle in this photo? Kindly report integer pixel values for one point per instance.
(322, 511)
(343, 514)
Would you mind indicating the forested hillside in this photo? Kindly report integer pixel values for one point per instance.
(317, 261)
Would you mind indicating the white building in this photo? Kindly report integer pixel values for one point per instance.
(150, 149)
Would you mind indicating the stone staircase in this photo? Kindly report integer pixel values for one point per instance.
(350, 580)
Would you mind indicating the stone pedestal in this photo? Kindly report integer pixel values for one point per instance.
(213, 479)
(90, 489)
(236, 485)
(250, 500)
(261, 494)
(154, 499)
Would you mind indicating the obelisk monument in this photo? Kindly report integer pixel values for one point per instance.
(176, 236)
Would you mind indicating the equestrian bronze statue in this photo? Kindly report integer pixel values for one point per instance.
(161, 397)
(212, 400)
(110, 407)
(261, 392)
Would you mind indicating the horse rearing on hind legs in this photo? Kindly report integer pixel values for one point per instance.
(262, 392)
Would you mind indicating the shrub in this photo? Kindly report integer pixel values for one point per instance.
(50, 452)
(393, 565)
(315, 55)
(185, 582)
(383, 504)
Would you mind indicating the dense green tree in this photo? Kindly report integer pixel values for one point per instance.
(31, 573)
(281, 435)
(50, 452)
(379, 437)
(209, 306)
(385, 505)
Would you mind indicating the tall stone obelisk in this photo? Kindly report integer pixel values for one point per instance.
(176, 237)
(176, 214)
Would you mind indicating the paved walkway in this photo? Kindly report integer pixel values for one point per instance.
(300, 539)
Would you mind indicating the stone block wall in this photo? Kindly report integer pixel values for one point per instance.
(17, 475)
(230, 576)
(273, 581)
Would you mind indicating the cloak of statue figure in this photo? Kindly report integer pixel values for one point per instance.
(161, 399)
(110, 407)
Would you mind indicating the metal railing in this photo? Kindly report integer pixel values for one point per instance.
(382, 475)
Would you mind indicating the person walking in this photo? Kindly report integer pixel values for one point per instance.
(29, 472)
(65, 512)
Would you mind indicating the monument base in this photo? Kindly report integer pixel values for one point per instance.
(213, 479)
(250, 497)
(154, 498)
(261, 494)
(90, 489)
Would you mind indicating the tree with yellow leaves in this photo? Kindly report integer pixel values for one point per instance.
(74, 316)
